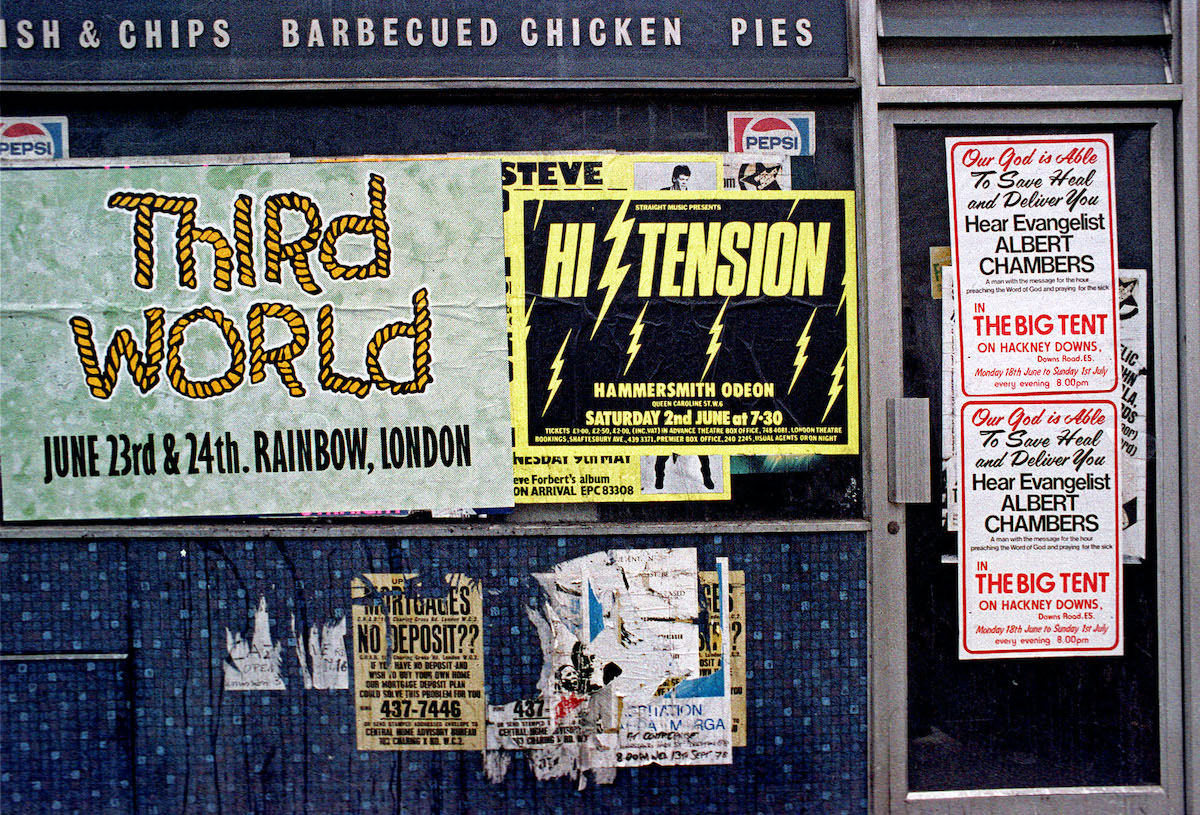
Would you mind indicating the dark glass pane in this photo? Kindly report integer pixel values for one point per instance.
(1011, 723)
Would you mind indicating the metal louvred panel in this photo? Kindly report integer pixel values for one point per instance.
(1023, 42)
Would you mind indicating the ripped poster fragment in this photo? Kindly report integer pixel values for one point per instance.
(253, 665)
(711, 645)
(1132, 302)
(622, 683)
(322, 656)
(757, 171)
(950, 397)
(418, 663)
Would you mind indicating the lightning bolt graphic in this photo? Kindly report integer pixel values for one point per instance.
(714, 345)
(610, 279)
(846, 280)
(524, 329)
(835, 387)
(801, 350)
(555, 370)
(635, 335)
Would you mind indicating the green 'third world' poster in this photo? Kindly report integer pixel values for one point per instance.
(252, 339)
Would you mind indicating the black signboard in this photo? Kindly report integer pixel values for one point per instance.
(205, 41)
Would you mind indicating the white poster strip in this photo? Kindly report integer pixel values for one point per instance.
(1133, 303)
(950, 401)
(1040, 565)
(1034, 243)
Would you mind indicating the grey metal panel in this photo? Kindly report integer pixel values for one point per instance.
(1059, 801)
(1021, 18)
(1168, 454)
(1009, 62)
(899, 95)
(882, 379)
(1187, 153)
(909, 479)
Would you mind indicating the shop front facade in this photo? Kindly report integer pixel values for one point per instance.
(550, 409)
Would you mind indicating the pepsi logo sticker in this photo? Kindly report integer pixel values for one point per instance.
(791, 133)
(33, 139)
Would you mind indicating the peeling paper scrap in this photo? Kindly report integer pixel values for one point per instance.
(622, 683)
(1132, 304)
(324, 666)
(254, 665)
(692, 723)
(950, 400)
(659, 582)
(418, 663)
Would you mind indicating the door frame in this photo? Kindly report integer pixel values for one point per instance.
(888, 613)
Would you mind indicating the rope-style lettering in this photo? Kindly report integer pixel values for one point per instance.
(294, 252)
(374, 225)
(282, 356)
(243, 237)
(102, 382)
(224, 383)
(327, 377)
(419, 330)
(144, 205)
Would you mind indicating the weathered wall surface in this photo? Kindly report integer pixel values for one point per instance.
(158, 733)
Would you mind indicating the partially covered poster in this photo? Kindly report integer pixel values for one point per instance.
(418, 663)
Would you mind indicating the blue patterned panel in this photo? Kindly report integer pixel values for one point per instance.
(62, 596)
(66, 743)
(199, 748)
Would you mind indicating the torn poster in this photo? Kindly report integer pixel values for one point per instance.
(254, 665)
(622, 683)
(711, 645)
(418, 663)
(1133, 300)
(755, 171)
(950, 397)
(323, 666)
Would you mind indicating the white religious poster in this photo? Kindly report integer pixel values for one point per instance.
(1034, 242)
(1040, 567)
(1034, 288)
